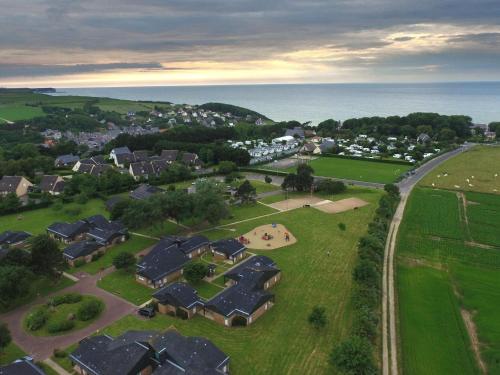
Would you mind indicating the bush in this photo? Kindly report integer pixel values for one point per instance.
(5, 337)
(342, 226)
(354, 356)
(365, 323)
(73, 211)
(124, 260)
(79, 262)
(68, 298)
(89, 310)
(60, 326)
(58, 353)
(194, 272)
(95, 256)
(330, 186)
(317, 318)
(37, 319)
(268, 179)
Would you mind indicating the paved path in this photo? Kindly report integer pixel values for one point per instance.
(389, 317)
(41, 348)
(56, 367)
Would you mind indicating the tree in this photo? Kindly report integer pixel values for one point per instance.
(289, 182)
(208, 202)
(14, 283)
(392, 189)
(330, 186)
(89, 309)
(304, 178)
(317, 318)
(118, 209)
(195, 272)
(227, 167)
(447, 135)
(124, 261)
(268, 179)
(246, 192)
(5, 337)
(354, 356)
(46, 258)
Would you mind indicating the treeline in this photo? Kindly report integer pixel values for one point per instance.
(355, 354)
(440, 127)
(233, 109)
(206, 204)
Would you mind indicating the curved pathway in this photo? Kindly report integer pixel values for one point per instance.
(41, 348)
(389, 318)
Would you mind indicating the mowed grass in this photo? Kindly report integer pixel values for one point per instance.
(37, 221)
(434, 339)
(360, 170)
(282, 341)
(10, 353)
(480, 162)
(264, 187)
(122, 283)
(15, 112)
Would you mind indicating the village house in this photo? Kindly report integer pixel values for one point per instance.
(145, 191)
(66, 161)
(15, 185)
(13, 238)
(51, 184)
(148, 352)
(80, 251)
(191, 159)
(94, 166)
(166, 260)
(169, 156)
(68, 232)
(178, 299)
(23, 366)
(228, 249)
(296, 132)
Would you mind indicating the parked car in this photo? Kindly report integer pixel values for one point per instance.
(148, 312)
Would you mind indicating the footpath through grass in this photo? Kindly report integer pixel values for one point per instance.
(282, 341)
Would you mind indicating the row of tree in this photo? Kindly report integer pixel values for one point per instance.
(355, 354)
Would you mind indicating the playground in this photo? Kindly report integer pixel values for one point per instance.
(268, 237)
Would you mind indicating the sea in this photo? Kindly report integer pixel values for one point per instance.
(318, 102)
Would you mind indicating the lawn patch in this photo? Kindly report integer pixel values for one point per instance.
(122, 283)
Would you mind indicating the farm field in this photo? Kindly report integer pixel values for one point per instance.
(361, 170)
(478, 162)
(17, 112)
(449, 245)
(429, 315)
(305, 266)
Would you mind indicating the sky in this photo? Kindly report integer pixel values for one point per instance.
(69, 43)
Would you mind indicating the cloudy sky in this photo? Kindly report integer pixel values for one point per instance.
(70, 43)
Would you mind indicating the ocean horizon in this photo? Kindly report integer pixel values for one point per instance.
(318, 102)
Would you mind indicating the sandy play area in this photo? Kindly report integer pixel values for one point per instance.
(276, 237)
(340, 206)
(293, 203)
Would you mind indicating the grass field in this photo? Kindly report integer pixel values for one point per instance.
(360, 170)
(37, 221)
(17, 112)
(434, 337)
(263, 187)
(123, 284)
(310, 277)
(10, 354)
(480, 162)
(437, 231)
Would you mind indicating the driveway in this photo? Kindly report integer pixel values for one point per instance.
(41, 348)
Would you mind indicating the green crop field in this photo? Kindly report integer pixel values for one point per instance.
(361, 170)
(462, 245)
(281, 341)
(15, 112)
(479, 165)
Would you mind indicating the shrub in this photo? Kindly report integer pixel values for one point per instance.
(268, 179)
(354, 356)
(124, 260)
(75, 211)
(37, 319)
(5, 337)
(89, 310)
(194, 272)
(95, 256)
(65, 298)
(60, 326)
(365, 323)
(366, 273)
(58, 353)
(317, 318)
(79, 262)
(330, 186)
(342, 226)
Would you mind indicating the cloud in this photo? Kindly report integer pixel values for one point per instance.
(65, 37)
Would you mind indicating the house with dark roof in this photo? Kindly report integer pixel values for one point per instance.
(145, 191)
(118, 152)
(191, 159)
(13, 239)
(68, 232)
(423, 138)
(81, 251)
(105, 232)
(146, 352)
(178, 299)
(51, 184)
(148, 168)
(228, 249)
(296, 132)
(15, 185)
(23, 366)
(327, 145)
(94, 166)
(66, 160)
(247, 297)
(169, 155)
(166, 260)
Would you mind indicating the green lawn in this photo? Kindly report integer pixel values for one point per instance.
(133, 245)
(247, 211)
(360, 170)
(434, 340)
(207, 290)
(282, 341)
(10, 354)
(58, 314)
(37, 221)
(15, 112)
(160, 230)
(263, 187)
(41, 286)
(123, 284)
(478, 162)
